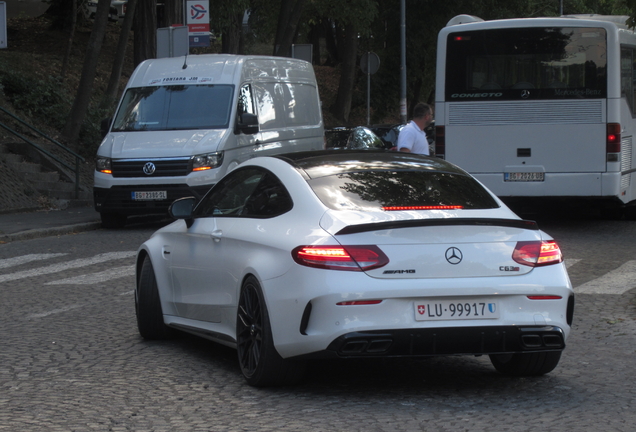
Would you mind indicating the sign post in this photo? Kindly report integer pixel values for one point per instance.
(3, 24)
(369, 63)
(198, 21)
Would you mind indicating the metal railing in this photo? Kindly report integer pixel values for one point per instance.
(78, 158)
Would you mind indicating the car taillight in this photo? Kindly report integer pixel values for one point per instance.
(351, 258)
(537, 253)
(440, 142)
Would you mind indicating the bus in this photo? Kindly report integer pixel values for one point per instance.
(541, 108)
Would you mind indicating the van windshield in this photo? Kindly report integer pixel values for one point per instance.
(175, 107)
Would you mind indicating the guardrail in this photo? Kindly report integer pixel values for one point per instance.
(78, 158)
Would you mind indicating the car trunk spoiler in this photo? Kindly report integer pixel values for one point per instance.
(377, 226)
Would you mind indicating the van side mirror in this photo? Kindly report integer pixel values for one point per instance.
(248, 123)
(105, 125)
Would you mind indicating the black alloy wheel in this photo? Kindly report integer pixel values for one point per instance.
(260, 362)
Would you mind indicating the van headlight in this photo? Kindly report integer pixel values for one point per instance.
(207, 161)
(103, 165)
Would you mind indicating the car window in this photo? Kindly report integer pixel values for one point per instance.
(246, 192)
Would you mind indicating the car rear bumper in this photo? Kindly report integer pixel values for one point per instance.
(448, 341)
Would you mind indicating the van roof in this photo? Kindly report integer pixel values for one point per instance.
(220, 69)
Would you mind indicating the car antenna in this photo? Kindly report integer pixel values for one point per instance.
(184, 62)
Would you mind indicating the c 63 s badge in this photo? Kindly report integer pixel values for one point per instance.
(508, 269)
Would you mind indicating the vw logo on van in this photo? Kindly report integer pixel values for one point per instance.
(149, 168)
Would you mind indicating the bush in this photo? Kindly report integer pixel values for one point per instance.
(41, 100)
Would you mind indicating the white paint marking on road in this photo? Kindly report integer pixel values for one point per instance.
(615, 282)
(56, 268)
(12, 262)
(127, 293)
(54, 311)
(96, 278)
(570, 262)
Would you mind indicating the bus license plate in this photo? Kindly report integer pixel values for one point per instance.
(456, 310)
(149, 195)
(524, 176)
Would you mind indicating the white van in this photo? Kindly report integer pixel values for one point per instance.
(184, 122)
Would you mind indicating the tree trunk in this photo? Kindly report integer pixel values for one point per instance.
(333, 57)
(289, 29)
(172, 13)
(67, 55)
(314, 37)
(83, 97)
(342, 107)
(286, 7)
(110, 96)
(231, 40)
(145, 29)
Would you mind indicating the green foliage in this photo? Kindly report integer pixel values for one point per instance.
(47, 102)
(39, 99)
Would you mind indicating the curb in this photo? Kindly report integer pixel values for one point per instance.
(48, 232)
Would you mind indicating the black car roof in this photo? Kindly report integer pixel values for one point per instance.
(328, 162)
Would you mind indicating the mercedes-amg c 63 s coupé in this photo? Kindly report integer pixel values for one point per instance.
(353, 254)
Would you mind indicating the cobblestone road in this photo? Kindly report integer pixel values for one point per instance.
(72, 360)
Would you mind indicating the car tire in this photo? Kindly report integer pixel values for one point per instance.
(113, 220)
(148, 306)
(260, 363)
(526, 364)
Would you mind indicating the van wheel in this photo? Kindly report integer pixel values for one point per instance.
(113, 220)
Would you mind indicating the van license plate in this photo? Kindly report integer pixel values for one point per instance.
(524, 176)
(149, 195)
(456, 310)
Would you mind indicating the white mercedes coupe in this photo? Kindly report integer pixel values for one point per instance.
(354, 254)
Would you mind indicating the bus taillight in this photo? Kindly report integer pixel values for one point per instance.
(613, 141)
(440, 142)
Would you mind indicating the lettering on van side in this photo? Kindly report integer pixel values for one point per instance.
(181, 80)
(476, 95)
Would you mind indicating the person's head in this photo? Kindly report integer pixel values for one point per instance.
(422, 114)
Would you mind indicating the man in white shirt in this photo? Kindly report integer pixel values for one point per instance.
(412, 138)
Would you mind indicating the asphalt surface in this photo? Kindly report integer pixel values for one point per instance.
(44, 223)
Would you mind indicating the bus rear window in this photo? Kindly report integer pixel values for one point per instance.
(529, 63)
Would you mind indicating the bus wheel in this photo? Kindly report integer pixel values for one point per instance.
(612, 213)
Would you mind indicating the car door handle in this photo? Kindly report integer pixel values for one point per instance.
(216, 235)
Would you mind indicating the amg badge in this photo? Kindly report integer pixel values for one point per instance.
(398, 271)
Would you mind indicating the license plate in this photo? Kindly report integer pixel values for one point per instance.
(524, 176)
(149, 195)
(456, 310)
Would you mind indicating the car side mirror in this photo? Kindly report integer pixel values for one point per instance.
(248, 123)
(182, 209)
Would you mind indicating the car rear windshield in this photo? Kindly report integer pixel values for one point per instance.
(382, 190)
(174, 107)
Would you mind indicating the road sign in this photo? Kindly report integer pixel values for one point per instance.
(370, 63)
